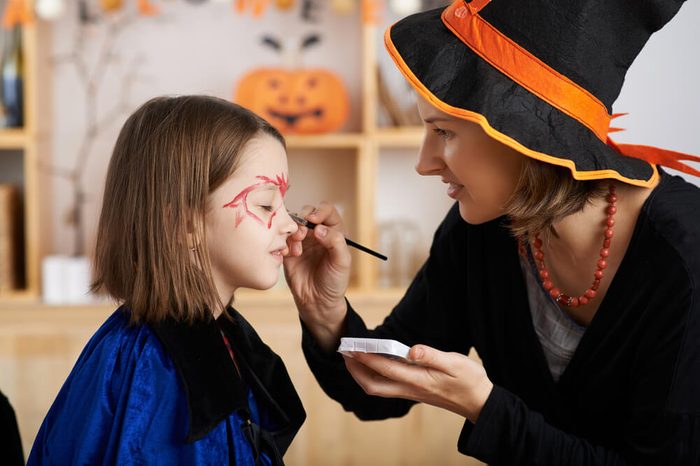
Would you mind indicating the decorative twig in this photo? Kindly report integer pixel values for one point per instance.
(91, 82)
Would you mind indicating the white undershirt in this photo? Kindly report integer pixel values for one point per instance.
(558, 334)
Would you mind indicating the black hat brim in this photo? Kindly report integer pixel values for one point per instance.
(453, 78)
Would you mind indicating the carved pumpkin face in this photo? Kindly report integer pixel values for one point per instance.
(300, 101)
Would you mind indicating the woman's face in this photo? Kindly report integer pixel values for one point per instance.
(247, 224)
(480, 172)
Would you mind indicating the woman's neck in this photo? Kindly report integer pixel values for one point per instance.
(572, 248)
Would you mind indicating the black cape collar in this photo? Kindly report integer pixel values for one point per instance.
(213, 386)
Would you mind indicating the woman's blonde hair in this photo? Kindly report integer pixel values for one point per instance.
(170, 155)
(544, 194)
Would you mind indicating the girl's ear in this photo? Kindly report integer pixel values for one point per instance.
(191, 241)
(193, 233)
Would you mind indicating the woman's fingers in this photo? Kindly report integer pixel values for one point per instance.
(381, 376)
(327, 233)
(372, 382)
(436, 359)
(448, 380)
(326, 214)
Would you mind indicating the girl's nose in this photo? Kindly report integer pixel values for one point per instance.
(288, 226)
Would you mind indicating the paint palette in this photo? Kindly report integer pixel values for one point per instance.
(390, 348)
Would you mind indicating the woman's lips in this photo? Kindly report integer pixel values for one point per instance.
(453, 190)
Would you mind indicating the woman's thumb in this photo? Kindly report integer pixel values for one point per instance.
(429, 357)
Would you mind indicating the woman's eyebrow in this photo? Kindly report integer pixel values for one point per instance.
(436, 118)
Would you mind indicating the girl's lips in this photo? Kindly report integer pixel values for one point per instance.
(278, 254)
(454, 189)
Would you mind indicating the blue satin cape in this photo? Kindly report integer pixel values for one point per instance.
(129, 400)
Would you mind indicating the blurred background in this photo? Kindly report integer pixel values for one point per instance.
(73, 70)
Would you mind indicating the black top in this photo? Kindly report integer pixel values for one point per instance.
(631, 392)
(10, 442)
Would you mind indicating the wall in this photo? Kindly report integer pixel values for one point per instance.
(661, 92)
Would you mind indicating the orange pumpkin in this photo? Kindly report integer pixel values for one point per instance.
(303, 101)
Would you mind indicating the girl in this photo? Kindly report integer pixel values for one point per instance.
(193, 210)
(570, 263)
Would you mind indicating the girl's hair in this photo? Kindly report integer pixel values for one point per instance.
(170, 155)
(544, 194)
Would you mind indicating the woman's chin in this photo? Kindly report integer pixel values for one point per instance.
(475, 216)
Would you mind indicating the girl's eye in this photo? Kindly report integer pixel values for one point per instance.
(267, 208)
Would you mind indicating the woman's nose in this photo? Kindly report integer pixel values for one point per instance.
(430, 160)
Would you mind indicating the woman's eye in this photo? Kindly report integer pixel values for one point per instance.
(442, 133)
(267, 208)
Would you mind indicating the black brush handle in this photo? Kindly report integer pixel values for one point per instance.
(349, 242)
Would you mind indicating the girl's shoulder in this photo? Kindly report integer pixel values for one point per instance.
(119, 344)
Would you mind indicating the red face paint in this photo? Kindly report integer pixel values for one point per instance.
(241, 199)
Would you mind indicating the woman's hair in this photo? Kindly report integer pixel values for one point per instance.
(170, 155)
(544, 194)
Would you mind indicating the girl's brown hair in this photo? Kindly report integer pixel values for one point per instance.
(544, 194)
(151, 249)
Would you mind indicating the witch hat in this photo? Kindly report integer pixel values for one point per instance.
(540, 76)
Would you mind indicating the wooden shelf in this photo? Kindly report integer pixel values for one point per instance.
(275, 298)
(13, 138)
(325, 141)
(16, 296)
(400, 137)
(384, 137)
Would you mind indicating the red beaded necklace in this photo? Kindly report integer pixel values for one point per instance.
(572, 301)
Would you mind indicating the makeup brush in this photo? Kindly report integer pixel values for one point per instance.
(349, 242)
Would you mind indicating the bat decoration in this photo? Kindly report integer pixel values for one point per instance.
(309, 10)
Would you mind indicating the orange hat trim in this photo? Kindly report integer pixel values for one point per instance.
(507, 140)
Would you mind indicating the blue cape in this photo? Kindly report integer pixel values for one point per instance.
(170, 394)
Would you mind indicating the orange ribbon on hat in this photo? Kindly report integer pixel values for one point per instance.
(653, 155)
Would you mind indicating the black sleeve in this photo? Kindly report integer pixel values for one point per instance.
(508, 432)
(10, 443)
(426, 314)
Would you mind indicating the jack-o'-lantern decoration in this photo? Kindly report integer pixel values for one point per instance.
(297, 100)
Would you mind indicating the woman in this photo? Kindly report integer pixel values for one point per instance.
(571, 268)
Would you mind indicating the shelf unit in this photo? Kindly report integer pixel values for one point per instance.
(367, 145)
(25, 141)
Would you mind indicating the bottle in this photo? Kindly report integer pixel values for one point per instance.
(12, 80)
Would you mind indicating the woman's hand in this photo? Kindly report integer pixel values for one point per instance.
(318, 272)
(450, 381)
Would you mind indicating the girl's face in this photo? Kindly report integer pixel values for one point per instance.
(481, 173)
(247, 224)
